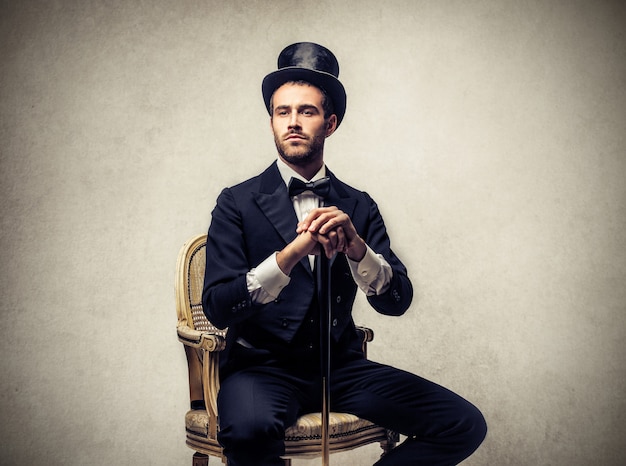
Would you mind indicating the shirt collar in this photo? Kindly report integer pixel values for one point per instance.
(286, 172)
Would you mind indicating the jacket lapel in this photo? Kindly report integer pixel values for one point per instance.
(273, 200)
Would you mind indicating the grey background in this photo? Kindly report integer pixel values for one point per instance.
(491, 133)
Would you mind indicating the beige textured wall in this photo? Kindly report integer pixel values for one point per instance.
(491, 133)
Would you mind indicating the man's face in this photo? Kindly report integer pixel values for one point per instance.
(298, 124)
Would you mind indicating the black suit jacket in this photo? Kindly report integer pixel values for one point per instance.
(254, 219)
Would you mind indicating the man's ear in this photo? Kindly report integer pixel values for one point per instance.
(331, 125)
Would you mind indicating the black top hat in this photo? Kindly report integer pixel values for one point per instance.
(312, 63)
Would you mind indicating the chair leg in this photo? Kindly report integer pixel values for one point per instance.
(200, 459)
(287, 461)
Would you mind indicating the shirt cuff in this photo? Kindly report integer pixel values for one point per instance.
(372, 274)
(368, 267)
(266, 281)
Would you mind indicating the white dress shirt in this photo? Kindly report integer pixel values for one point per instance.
(265, 282)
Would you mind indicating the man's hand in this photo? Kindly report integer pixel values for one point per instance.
(334, 231)
(304, 244)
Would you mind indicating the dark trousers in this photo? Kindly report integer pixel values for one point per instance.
(257, 403)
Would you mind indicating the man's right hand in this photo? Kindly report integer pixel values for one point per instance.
(304, 245)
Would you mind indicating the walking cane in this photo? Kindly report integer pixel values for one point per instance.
(323, 294)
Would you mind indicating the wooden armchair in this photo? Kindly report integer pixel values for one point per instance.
(203, 343)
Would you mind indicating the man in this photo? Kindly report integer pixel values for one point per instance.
(260, 284)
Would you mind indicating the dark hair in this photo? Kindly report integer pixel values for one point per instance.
(327, 102)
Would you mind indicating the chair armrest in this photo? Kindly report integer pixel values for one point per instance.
(198, 339)
(202, 349)
(366, 333)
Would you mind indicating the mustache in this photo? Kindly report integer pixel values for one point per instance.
(295, 133)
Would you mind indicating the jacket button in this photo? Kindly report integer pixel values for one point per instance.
(334, 322)
(284, 323)
(338, 299)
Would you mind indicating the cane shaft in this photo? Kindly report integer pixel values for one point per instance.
(325, 425)
(323, 288)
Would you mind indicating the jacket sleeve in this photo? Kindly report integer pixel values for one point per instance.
(398, 297)
(225, 297)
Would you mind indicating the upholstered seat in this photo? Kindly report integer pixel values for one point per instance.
(203, 343)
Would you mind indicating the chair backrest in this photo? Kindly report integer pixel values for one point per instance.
(190, 273)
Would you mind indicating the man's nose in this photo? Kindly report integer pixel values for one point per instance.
(294, 120)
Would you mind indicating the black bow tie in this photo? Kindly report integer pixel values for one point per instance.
(320, 187)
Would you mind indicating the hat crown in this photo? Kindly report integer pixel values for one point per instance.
(311, 63)
(310, 56)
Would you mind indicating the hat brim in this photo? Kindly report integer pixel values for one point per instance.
(326, 81)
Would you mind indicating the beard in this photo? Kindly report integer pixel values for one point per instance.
(306, 151)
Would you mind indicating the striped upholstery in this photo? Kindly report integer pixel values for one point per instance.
(339, 425)
(308, 426)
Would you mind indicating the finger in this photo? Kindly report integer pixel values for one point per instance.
(327, 245)
(333, 239)
(343, 221)
(341, 240)
(332, 221)
(327, 221)
(318, 217)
